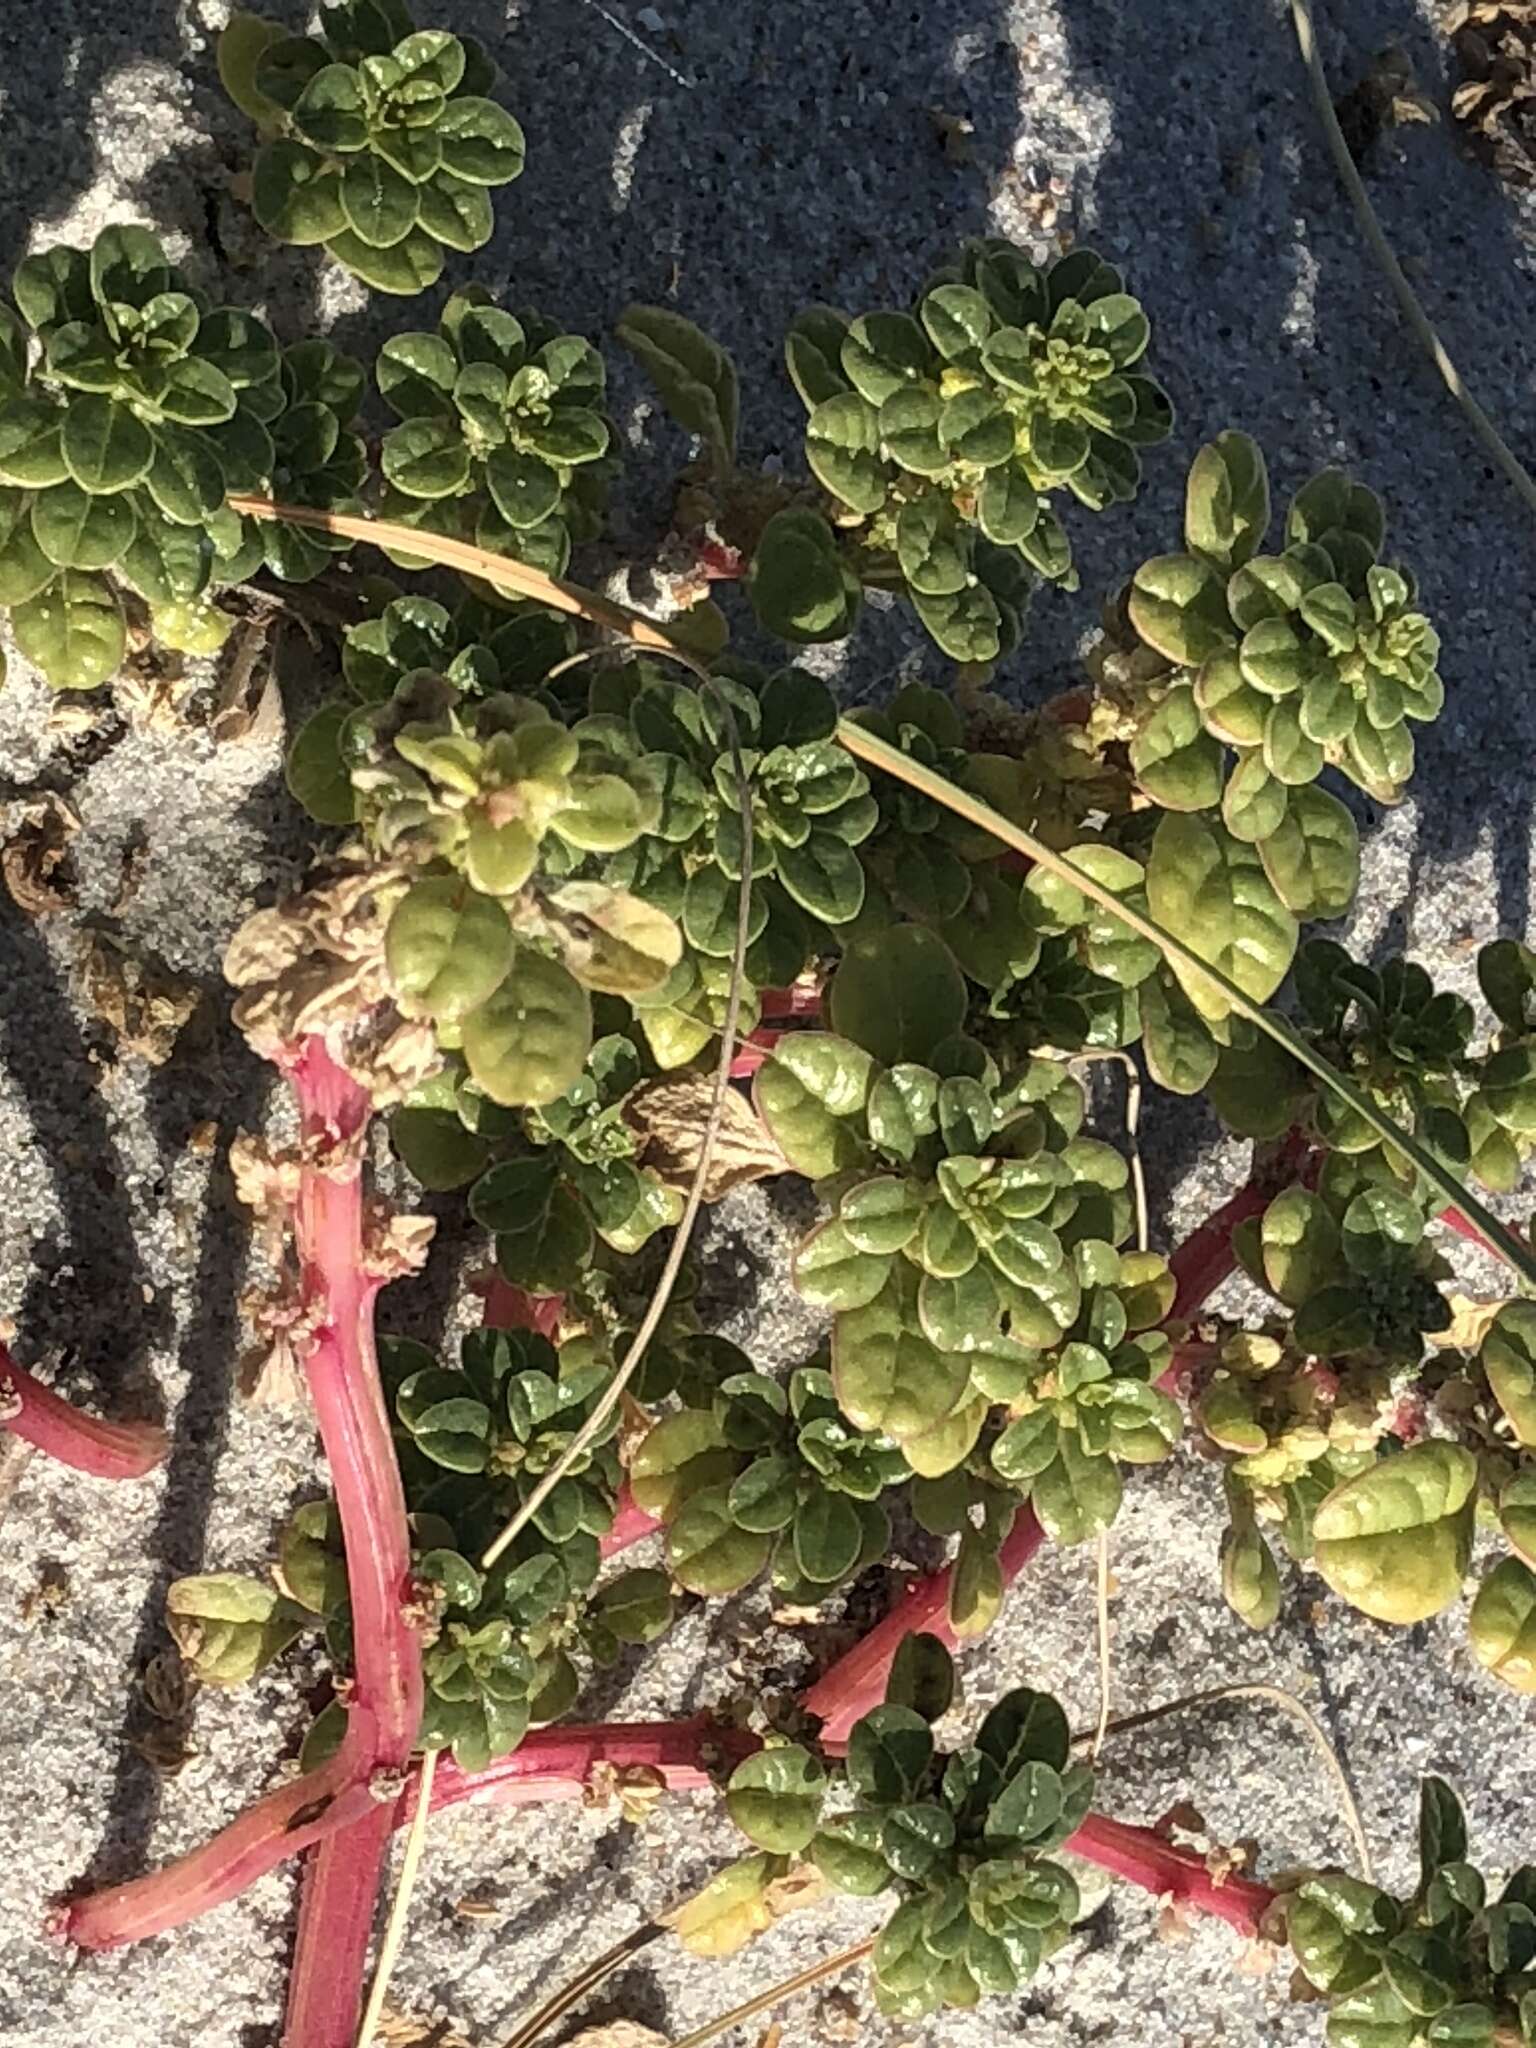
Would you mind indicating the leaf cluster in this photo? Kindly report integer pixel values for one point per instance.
(378, 140)
(964, 1839)
(940, 436)
(130, 406)
(767, 1476)
(1450, 1966)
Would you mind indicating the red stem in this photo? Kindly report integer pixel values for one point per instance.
(341, 1815)
(1146, 1859)
(106, 1450)
(342, 1888)
(631, 1524)
(1464, 1227)
(856, 1682)
(287, 1820)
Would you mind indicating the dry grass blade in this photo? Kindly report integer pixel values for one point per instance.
(1301, 1714)
(867, 747)
(400, 1905)
(832, 1966)
(559, 2003)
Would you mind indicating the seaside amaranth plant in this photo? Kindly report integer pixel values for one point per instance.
(588, 856)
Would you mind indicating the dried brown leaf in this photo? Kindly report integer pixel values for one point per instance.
(143, 1004)
(669, 1117)
(35, 860)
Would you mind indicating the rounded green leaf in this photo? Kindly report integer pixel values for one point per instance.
(1178, 604)
(380, 203)
(411, 265)
(889, 1377)
(811, 1094)
(830, 1271)
(1508, 1357)
(1226, 504)
(1175, 759)
(1212, 891)
(528, 1043)
(448, 948)
(482, 144)
(296, 194)
(105, 446)
(706, 1550)
(73, 630)
(842, 446)
(455, 212)
(77, 530)
(1502, 1624)
(775, 1798)
(1395, 1540)
(330, 112)
(898, 994)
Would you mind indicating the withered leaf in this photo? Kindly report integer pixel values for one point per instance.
(140, 1001)
(669, 1118)
(35, 860)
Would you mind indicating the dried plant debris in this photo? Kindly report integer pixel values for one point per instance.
(669, 1117)
(142, 1003)
(1495, 45)
(1388, 96)
(35, 860)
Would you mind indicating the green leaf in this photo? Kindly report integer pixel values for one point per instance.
(447, 1424)
(1213, 890)
(1175, 759)
(315, 772)
(73, 630)
(889, 1751)
(227, 1627)
(407, 267)
(528, 1043)
(1502, 1624)
(296, 194)
(1078, 1495)
(1442, 1828)
(330, 113)
(842, 445)
(707, 1551)
(798, 584)
(1395, 1540)
(1300, 1245)
(481, 142)
(692, 372)
(775, 1798)
(455, 212)
(1028, 1805)
(1178, 604)
(380, 203)
(447, 948)
(78, 531)
(811, 1095)
(311, 1557)
(1226, 506)
(1508, 1357)
(827, 1536)
(898, 995)
(105, 446)
(922, 1677)
(636, 1607)
(242, 44)
(1025, 1727)
(889, 1376)
(830, 1271)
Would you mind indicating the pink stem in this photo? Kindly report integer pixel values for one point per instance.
(1465, 1227)
(287, 1820)
(513, 1308)
(856, 1682)
(106, 1450)
(631, 1524)
(343, 1373)
(1146, 1859)
(331, 1806)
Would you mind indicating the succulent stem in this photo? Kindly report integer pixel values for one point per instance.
(106, 1450)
